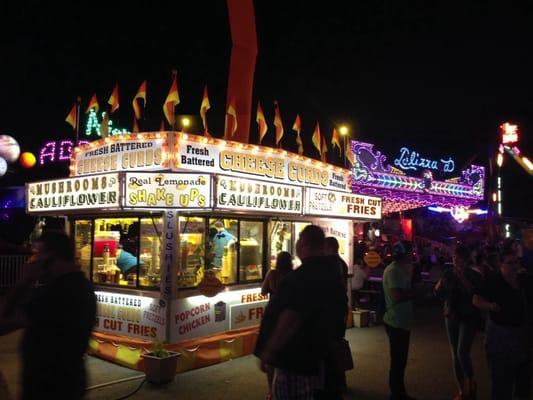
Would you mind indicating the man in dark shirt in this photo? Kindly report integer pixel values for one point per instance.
(508, 297)
(311, 305)
(57, 306)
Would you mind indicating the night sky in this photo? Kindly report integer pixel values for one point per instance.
(438, 78)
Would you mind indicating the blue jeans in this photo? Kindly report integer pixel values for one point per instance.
(461, 337)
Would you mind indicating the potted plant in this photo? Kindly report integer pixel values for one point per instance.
(160, 364)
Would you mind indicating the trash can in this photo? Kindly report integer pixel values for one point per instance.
(360, 318)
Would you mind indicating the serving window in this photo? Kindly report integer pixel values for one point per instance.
(120, 251)
(230, 249)
(283, 237)
(126, 251)
(83, 233)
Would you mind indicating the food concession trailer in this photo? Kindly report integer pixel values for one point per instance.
(177, 231)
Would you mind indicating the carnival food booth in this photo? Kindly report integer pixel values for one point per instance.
(177, 231)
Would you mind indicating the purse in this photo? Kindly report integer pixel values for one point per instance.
(341, 355)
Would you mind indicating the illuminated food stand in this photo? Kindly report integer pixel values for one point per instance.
(177, 232)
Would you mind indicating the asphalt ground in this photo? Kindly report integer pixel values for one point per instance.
(429, 372)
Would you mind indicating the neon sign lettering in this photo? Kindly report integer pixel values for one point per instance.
(411, 160)
(57, 151)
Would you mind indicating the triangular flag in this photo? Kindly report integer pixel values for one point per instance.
(278, 124)
(204, 107)
(93, 103)
(335, 140)
(316, 139)
(72, 116)
(141, 94)
(113, 99)
(297, 126)
(172, 100)
(348, 153)
(231, 120)
(261, 122)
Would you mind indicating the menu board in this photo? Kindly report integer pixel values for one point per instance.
(198, 316)
(88, 192)
(340, 204)
(255, 195)
(123, 314)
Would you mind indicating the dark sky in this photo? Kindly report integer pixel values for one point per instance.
(438, 77)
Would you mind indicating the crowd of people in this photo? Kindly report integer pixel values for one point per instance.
(483, 288)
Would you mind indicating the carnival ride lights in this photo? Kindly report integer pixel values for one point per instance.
(509, 140)
(370, 175)
(459, 213)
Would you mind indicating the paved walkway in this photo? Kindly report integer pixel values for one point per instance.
(429, 373)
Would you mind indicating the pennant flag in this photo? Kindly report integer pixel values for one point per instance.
(72, 116)
(231, 119)
(297, 126)
(93, 103)
(261, 122)
(135, 125)
(203, 109)
(104, 126)
(278, 124)
(141, 94)
(335, 140)
(348, 153)
(316, 139)
(172, 100)
(113, 99)
(324, 150)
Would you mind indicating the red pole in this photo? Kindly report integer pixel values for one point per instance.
(242, 65)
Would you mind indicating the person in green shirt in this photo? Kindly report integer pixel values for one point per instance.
(398, 293)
